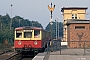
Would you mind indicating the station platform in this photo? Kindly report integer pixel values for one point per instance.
(69, 57)
(64, 53)
(70, 54)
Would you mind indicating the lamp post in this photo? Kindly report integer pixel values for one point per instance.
(19, 22)
(51, 9)
(32, 23)
(11, 17)
(58, 26)
(56, 29)
(11, 24)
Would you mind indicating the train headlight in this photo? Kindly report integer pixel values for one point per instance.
(19, 42)
(35, 42)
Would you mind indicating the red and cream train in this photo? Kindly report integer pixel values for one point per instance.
(30, 39)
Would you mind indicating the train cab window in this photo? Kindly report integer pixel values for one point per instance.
(36, 33)
(27, 34)
(18, 34)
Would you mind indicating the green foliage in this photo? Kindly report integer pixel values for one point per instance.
(17, 21)
(52, 29)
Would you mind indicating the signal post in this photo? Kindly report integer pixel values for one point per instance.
(51, 9)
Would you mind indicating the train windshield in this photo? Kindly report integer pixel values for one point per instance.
(36, 33)
(18, 34)
(27, 33)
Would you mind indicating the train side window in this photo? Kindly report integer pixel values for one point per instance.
(36, 33)
(27, 34)
(18, 34)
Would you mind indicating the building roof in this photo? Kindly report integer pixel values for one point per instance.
(76, 21)
(62, 9)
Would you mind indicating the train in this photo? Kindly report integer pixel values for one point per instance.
(30, 38)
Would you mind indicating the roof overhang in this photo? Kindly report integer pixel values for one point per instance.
(69, 8)
(75, 21)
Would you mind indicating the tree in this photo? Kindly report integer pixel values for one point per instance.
(52, 29)
(17, 21)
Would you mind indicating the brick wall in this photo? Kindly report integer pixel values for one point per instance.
(78, 33)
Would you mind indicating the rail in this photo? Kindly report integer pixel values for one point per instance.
(12, 55)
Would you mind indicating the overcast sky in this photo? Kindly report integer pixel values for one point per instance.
(37, 10)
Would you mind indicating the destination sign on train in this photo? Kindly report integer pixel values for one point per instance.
(27, 30)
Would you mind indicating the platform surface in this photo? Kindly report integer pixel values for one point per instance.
(69, 57)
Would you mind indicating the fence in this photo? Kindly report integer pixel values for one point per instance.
(72, 48)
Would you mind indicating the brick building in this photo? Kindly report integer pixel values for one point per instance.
(78, 33)
(70, 13)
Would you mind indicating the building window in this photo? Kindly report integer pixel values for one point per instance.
(74, 16)
(65, 29)
(79, 27)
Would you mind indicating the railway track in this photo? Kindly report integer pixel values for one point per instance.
(3, 52)
(6, 55)
(11, 55)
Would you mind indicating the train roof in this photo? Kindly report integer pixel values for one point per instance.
(29, 28)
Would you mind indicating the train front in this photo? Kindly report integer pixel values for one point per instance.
(26, 39)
